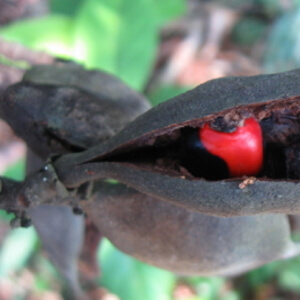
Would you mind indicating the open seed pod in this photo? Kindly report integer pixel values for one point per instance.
(64, 108)
(173, 238)
(150, 153)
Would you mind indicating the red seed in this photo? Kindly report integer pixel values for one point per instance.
(242, 150)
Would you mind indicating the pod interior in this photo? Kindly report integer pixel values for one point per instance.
(174, 151)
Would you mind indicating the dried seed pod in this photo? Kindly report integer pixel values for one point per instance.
(60, 109)
(64, 108)
(186, 242)
(147, 154)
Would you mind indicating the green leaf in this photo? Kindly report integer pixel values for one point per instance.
(17, 247)
(164, 93)
(118, 36)
(290, 281)
(53, 34)
(231, 295)
(46, 271)
(289, 276)
(263, 274)
(207, 288)
(131, 279)
(248, 31)
(16, 171)
(66, 7)
(282, 45)
(5, 216)
(169, 9)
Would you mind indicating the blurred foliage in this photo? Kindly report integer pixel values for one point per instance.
(52, 33)
(66, 7)
(112, 35)
(16, 171)
(12, 63)
(249, 30)
(282, 51)
(134, 280)
(20, 244)
(163, 93)
(269, 8)
(16, 249)
(19, 249)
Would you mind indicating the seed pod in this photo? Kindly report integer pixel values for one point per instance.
(173, 238)
(147, 154)
(142, 226)
(58, 109)
(64, 108)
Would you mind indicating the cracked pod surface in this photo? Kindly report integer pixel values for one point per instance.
(147, 154)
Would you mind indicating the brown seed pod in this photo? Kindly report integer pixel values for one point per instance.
(58, 109)
(174, 238)
(64, 108)
(145, 156)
